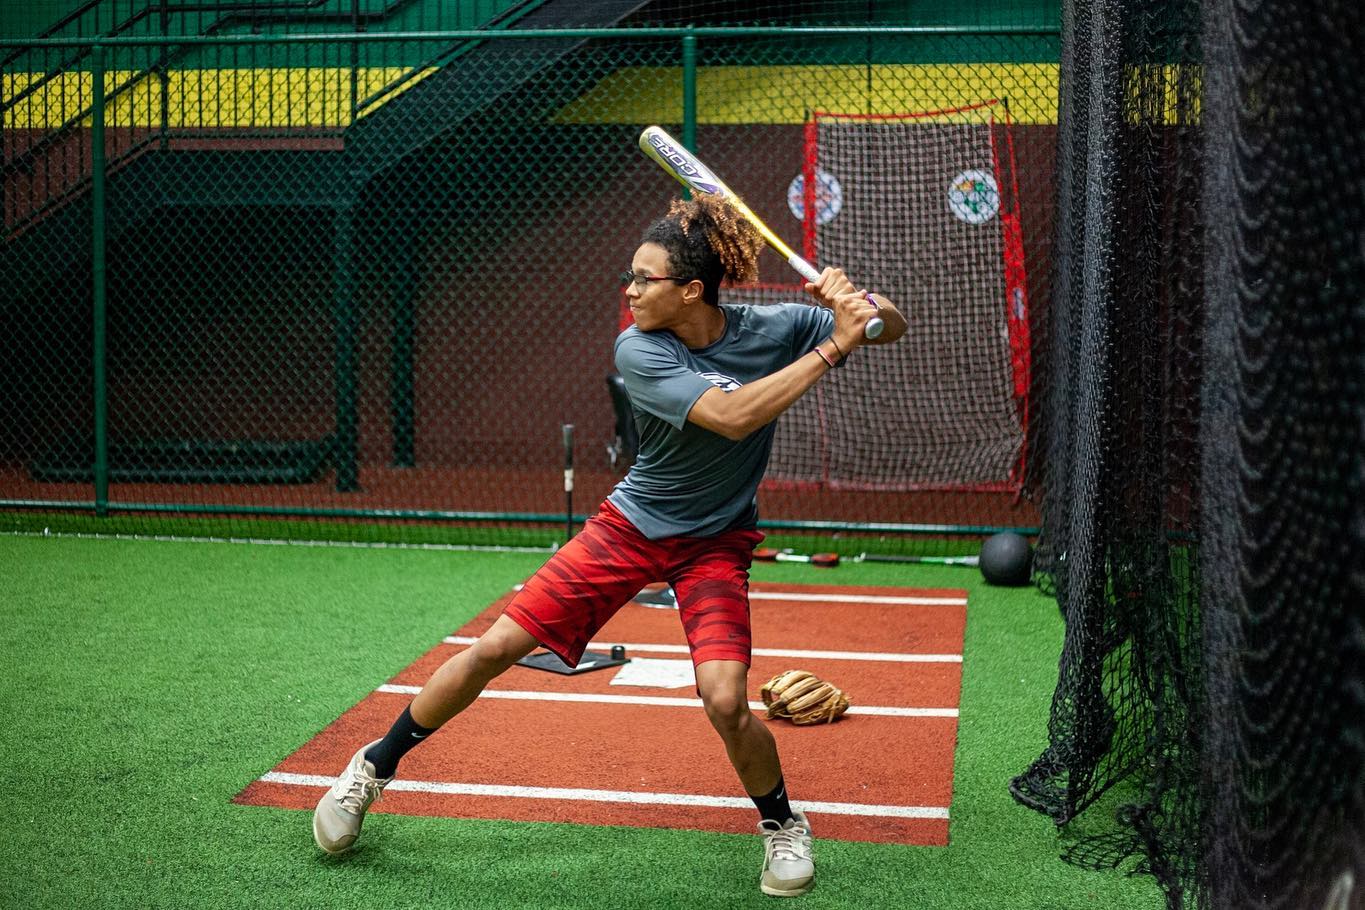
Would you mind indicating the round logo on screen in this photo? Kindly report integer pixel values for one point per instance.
(974, 197)
(829, 196)
(721, 381)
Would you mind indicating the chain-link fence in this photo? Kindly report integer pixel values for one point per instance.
(355, 285)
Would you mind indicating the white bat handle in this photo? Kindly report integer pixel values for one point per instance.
(808, 271)
(874, 325)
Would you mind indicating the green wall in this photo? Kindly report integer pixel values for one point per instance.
(997, 13)
(27, 18)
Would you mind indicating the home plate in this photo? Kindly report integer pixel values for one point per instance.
(660, 674)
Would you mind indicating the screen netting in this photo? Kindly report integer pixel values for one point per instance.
(922, 207)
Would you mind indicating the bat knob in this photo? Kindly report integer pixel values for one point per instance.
(874, 327)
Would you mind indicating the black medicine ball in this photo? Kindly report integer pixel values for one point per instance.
(1006, 559)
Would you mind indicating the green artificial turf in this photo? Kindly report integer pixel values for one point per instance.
(148, 682)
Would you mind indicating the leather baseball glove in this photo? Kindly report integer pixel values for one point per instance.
(803, 698)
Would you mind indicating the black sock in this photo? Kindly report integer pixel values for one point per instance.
(402, 737)
(774, 806)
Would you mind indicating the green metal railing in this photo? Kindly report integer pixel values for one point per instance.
(180, 48)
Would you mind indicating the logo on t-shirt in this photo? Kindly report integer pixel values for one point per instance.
(721, 381)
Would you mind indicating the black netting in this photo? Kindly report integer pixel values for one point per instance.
(1282, 581)
(1202, 501)
(1121, 436)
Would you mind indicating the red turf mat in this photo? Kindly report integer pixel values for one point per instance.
(866, 777)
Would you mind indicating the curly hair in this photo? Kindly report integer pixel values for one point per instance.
(707, 239)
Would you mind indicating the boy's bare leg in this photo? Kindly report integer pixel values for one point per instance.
(788, 866)
(751, 747)
(459, 681)
(452, 688)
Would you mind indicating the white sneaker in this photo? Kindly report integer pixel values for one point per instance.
(341, 811)
(788, 868)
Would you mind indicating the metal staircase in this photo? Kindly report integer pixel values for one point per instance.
(157, 163)
(47, 154)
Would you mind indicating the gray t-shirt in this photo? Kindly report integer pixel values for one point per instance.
(686, 480)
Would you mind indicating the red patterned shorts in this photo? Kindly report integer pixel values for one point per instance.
(607, 563)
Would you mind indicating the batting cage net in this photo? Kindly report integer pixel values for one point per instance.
(1204, 467)
(347, 269)
(357, 287)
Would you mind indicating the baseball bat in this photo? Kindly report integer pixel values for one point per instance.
(688, 170)
(824, 560)
(833, 559)
(933, 560)
(568, 481)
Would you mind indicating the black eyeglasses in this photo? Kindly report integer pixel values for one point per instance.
(642, 281)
